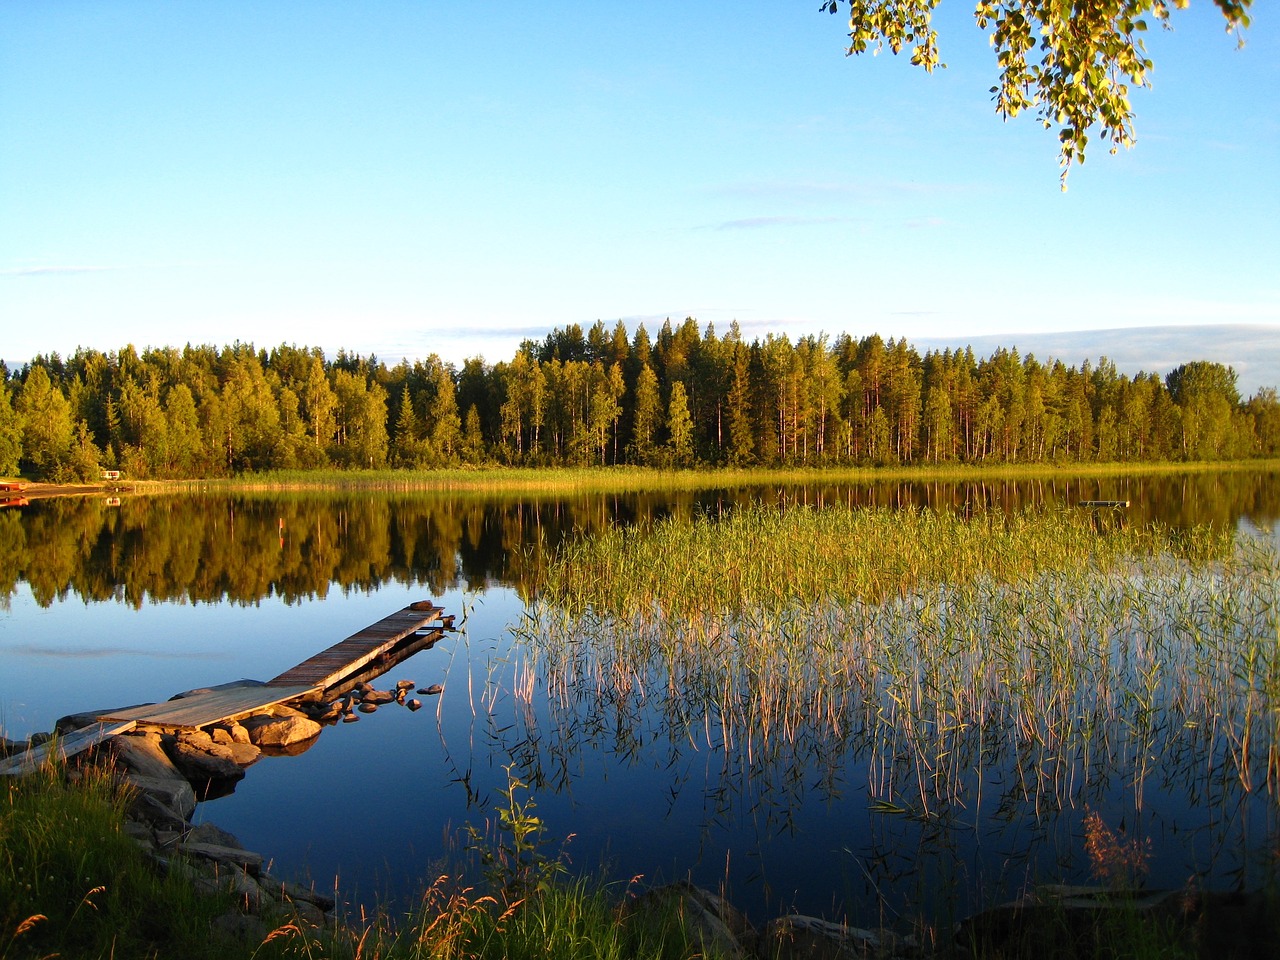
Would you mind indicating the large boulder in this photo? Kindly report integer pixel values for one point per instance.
(197, 756)
(177, 799)
(143, 754)
(282, 728)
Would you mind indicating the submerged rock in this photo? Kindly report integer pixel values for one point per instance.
(432, 690)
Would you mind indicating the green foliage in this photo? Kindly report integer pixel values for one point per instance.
(10, 433)
(72, 883)
(514, 860)
(816, 402)
(1073, 63)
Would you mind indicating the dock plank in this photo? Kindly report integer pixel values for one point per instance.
(67, 745)
(328, 667)
(214, 706)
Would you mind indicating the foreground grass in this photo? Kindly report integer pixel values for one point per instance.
(73, 884)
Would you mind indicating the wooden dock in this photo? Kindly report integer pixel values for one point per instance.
(415, 627)
(65, 746)
(330, 667)
(228, 702)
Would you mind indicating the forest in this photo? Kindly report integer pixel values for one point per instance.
(685, 398)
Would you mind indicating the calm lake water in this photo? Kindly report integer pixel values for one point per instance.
(106, 606)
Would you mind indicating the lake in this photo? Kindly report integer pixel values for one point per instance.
(110, 605)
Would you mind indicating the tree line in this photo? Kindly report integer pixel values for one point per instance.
(687, 397)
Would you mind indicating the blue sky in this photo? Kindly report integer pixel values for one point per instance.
(427, 177)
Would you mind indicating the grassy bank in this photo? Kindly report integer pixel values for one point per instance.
(560, 481)
(73, 884)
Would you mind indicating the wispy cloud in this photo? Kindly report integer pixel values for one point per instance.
(55, 270)
(761, 223)
(925, 223)
(98, 653)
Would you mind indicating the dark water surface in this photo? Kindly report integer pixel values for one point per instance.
(105, 606)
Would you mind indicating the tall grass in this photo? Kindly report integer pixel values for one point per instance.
(72, 883)
(1027, 663)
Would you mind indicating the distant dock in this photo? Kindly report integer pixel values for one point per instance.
(370, 651)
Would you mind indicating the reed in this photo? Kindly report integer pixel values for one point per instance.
(1032, 662)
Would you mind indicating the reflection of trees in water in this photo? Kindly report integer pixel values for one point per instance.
(232, 546)
(983, 715)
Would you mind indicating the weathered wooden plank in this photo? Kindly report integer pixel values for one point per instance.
(214, 706)
(66, 746)
(328, 667)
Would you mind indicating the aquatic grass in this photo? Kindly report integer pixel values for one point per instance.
(1030, 663)
(773, 559)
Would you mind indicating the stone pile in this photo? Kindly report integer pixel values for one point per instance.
(365, 698)
(164, 772)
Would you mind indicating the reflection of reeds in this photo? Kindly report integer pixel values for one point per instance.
(933, 647)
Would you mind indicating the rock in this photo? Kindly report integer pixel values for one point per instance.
(143, 754)
(245, 754)
(377, 697)
(190, 693)
(237, 857)
(140, 833)
(285, 892)
(202, 760)
(414, 704)
(175, 794)
(308, 913)
(349, 718)
(281, 731)
(221, 736)
(405, 684)
(708, 919)
(229, 685)
(432, 690)
(325, 712)
(368, 708)
(211, 833)
(798, 937)
(147, 808)
(38, 739)
(239, 927)
(236, 731)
